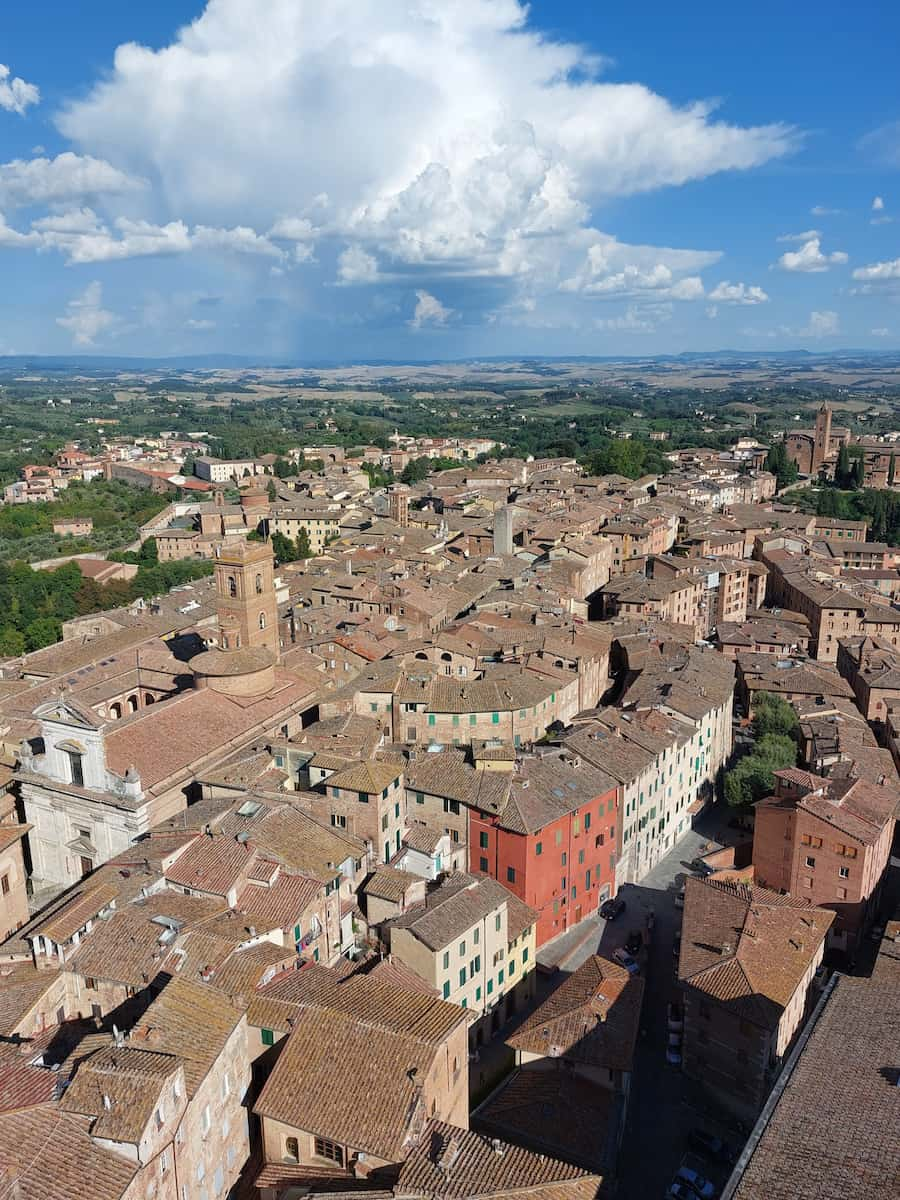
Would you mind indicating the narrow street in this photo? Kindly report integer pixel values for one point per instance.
(664, 1106)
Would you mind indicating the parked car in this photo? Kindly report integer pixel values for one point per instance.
(624, 959)
(699, 1183)
(673, 1056)
(711, 1146)
(679, 1190)
(675, 1017)
(634, 941)
(610, 909)
(679, 899)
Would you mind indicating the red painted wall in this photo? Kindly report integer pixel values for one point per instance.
(546, 879)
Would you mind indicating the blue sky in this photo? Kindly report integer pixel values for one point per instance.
(415, 179)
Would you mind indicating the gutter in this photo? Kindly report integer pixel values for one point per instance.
(777, 1092)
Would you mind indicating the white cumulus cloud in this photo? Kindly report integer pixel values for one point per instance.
(58, 180)
(880, 332)
(879, 272)
(737, 293)
(821, 325)
(810, 258)
(356, 266)
(15, 94)
(806, 236)
(86, 318)
(429, 311)
(878, 204)
(433, 139)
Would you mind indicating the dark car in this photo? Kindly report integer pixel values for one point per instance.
(711, 1146)
(611, 909)
(634, 941)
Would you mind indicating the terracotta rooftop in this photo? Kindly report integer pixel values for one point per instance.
(747, 946)
(458, 1164)
(831, 1129)
(591, 1018)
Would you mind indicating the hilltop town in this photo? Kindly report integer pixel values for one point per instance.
(465, 823)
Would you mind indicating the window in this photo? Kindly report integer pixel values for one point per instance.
(500, 976)
(563, 858)
(462, 977)
(587, 821)
(510, 874)
(462, 948)
(497, 925)
(205, 1120)
(363, 797)
(431, 719)
(262, 620)
(495, 718)
(451, 806)
(446, 959)
(446, 988)
(476, 964)
(420, 797)
(490, 986)
(232, 586)
(330, 1150)
(525, 955)
(558, 837)
(483, 840)
(478, 994)
(291, 1149)
(339, 821)
(539, 848)
(476, 935)
(844, 872)
(810, 861)
(473, 719)
(4, 885)
(512, 968)
(76, 769)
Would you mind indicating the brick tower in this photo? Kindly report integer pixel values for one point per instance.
(247, 608)
(822, 441)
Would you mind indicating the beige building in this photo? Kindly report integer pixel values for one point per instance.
(473, 941)
(362, 1069)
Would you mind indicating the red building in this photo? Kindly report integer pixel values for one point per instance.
(829, 842)
(554, 843)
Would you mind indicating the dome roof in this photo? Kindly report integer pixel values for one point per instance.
(245, 661)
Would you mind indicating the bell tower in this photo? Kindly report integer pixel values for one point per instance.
(822, 438)
(245, 586)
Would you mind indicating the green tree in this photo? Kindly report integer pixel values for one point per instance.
(416, 470)
(271, 491)
(12, 642)
(753, 779)
(303, 547)
(283, 548)
(43, 631)
(843, 467)
(149, 552)
(773, 715)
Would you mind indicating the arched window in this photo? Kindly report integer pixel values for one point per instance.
(259, 585)
(115, 711)
(149, 700)
(262, 620)
(445, 657)
(132, 703)
(232, 586)
(291, 1149)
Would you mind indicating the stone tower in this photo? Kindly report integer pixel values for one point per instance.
(503, 530)
(822, 439)
(247, 607)
(398, 499)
